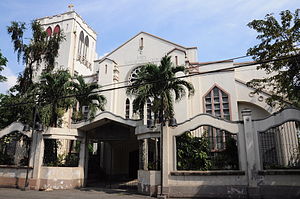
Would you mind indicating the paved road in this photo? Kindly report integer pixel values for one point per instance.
(91, 193)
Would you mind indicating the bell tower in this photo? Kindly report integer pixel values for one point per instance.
(78, 51)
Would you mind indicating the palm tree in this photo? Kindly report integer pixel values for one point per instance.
(53, 87)
(159, 83)
(86, 97)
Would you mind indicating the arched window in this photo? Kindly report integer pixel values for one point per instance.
(217, 103)
(86, 45)
(105, 68)
(176, 60)
(133, 74)
(127, 107)
(49, 31)
(149, 113)
(80, 43)
(141, 43)
(56, 29)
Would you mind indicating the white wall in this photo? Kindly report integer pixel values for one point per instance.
(257, 111)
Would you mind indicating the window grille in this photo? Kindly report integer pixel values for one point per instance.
(61, 152)
(207, 148)
(14, 149)
(280, 146)
(217, 103)
(127, 107)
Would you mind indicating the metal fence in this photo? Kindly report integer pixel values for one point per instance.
(61, 152)
(207, 148)
(14, 149)
(280, 146)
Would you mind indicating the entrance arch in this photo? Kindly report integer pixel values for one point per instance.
(112, 154)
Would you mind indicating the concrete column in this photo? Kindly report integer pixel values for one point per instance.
(242, 148)
(165, 160)
(145, 154)
(251, 154)
(141, 162)
(37, 153)
(145, 115)
(82, 153)
(82, 156)
(86, 160)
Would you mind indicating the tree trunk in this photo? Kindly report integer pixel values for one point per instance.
(54, 115)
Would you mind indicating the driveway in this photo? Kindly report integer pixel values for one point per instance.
(86, 193)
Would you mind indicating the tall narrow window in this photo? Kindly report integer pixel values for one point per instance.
(49, 31)
(105, 68)
(217, 103)
(149, 113)
(86, 44)
(176, 60)
(80, 43)
(56, 29)
(127, 107)
(141, 43)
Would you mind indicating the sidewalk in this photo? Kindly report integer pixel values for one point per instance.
(86, 193)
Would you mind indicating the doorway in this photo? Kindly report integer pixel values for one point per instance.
(113, 157)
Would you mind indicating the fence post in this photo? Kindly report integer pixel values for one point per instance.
(251, 153)
(38, 152)
(82, 159)
(163, 190)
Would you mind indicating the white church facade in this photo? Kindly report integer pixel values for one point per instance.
(122, 145)
(78, 54)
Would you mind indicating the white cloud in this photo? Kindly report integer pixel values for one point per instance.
(11, 80)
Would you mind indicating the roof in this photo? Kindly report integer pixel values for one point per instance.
(151, 35)
(247, 62)
(245, 84)
(174, 49)
(105, 58)
(211, 62)
(69, 12)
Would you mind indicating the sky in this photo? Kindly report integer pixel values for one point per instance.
(217, 27)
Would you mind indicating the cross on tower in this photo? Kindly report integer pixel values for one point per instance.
(71, 6)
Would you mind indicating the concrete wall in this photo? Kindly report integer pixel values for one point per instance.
(257, 111)
(61, 177)
(251, 181)
(148, 182)
(12, 176)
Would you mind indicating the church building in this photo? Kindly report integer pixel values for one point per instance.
(119, 145)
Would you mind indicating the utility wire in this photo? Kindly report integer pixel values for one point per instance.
(157, 81)
(142, 63)
(197, 65)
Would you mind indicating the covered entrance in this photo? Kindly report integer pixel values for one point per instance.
(112, 153)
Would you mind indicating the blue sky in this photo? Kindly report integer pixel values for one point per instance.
(217, 27)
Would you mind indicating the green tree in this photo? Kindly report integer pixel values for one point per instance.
(86, 97)
(52, 89)
(10, 113)
(3, 62)
(159, 83)
(193, 152)
(278, 39)
(40, 50)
